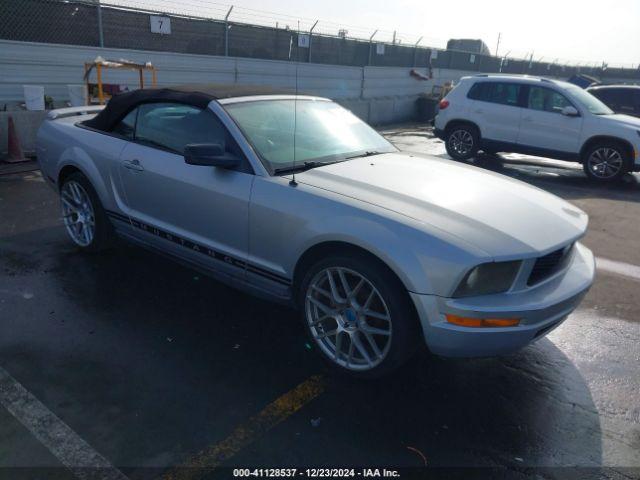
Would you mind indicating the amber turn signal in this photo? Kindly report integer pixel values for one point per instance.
(482, 322)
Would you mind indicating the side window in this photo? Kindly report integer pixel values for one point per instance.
(496, 92)
(611, 97)
(546, 100)
(624, 98)
(173, 126)
(505, 94)
(636, 96)
(127, 126)
(480, 91)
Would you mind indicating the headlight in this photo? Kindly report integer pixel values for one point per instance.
(488, 278)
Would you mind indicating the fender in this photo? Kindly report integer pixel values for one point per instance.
(407, 251)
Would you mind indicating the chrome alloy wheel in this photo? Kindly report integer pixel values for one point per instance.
(461, 142)
(605, 162)
(348, 318)
(77, 213)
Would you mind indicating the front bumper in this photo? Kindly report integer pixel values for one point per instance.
(540, 308)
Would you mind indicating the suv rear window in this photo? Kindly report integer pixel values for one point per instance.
(503, 93)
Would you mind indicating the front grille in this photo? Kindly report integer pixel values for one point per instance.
(549, 264)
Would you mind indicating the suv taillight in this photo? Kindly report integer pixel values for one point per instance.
(444, 103)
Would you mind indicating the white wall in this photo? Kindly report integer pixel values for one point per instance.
(56, 66)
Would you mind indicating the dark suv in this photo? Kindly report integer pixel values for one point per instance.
(619, 98)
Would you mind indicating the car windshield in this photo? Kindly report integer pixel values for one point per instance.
(590, 102)
(324, 132)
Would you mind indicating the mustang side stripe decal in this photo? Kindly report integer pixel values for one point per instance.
(202, 249)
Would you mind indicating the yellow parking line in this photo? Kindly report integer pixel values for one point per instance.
(277, 411)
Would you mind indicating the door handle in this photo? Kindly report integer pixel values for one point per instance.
(479, 111)
(133, 165)
(527, 119)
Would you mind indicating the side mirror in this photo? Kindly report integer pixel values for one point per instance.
(570, 111)
(209, 155)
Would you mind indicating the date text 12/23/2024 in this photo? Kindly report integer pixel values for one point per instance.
(315, 472)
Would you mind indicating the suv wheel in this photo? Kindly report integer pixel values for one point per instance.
(462, 142)
(83, 215)
(358, 316)
(606, 162)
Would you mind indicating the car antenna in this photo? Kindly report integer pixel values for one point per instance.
(293, 182)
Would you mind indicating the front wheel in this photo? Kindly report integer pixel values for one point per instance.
(84, 218)
(462, 142)
(358, 315)
(605, 162)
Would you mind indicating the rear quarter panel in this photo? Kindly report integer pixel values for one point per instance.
(60, 143)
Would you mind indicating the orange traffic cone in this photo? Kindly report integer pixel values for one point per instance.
(15, 150)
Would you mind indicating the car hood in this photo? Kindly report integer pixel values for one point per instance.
(501, 216)
(627, 120)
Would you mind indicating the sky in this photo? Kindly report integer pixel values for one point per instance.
(586, 31)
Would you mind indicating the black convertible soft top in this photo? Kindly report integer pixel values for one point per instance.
(196, 95)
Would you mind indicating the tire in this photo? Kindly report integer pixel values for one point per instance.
(606, 162)
(462, 142)
(84, 217)
(353, 327)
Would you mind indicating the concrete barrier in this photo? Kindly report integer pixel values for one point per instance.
(27, 124)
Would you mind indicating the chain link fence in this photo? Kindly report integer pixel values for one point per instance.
(198, 27)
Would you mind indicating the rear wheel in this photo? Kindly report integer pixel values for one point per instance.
(84, 218)
(606, 162)
(358, 315)
(462, 142)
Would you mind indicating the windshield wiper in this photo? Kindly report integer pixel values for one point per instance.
(370, 153)
(302, 167)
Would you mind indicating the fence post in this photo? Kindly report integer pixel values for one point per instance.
(310, 34)
(371, 44)
(415, 51)
(100, 31)
(226, 32)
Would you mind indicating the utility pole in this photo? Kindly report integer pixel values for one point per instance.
(226, 32)
(498, 44)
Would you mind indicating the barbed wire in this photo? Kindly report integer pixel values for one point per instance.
(218, 11)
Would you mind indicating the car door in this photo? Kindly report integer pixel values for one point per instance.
(496, 109)
(543, 125)
(199, 213)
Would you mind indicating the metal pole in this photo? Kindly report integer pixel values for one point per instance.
(415, 51)
(100, 31)
(371, 43)
(498, 44)
(226, 32)
(310, 33)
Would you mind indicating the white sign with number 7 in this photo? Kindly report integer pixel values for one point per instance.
(160, 25)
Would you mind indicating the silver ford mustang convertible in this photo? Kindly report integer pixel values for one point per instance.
(295, 199)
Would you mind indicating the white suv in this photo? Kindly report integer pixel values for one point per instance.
(537, 116)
